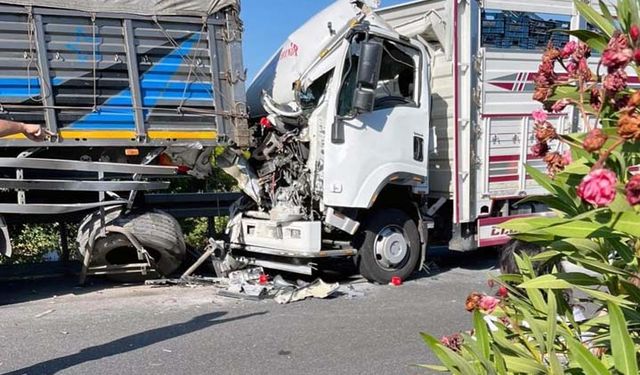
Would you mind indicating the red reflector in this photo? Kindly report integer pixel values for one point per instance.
(396, 281)
(265, 123)
(183, 169)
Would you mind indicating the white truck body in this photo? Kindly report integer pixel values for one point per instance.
(458, 136)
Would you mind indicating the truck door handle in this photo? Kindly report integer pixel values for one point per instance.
(418, 148)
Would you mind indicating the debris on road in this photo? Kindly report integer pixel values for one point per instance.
(45, 313)
(317, 289)
(187, 281)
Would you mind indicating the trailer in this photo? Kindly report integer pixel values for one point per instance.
(381, 132)
(134, 93)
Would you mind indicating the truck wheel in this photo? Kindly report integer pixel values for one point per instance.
(158, 232)
(388, 246)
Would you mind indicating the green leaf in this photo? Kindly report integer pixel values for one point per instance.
(545, 256)
(606, 13)
(561, 281)
(499, 360)
(579, 229)
(528, 224)
(596, 41)
(482, 333)
(632, 290)
(622, 347)
(587, 361)
(599, 266)
(552, 313)
(595, 18)
(540, 178)
(626, 222)
(524, 365)
(625, 252)
(602, 296)
(452, 360)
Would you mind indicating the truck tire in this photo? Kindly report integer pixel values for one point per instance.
(388, 245)
(158, 232)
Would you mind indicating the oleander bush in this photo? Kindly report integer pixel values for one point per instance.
(593, 188)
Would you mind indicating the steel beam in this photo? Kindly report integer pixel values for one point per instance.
(46, 88)
(134, 79)
(72, 185)
(83, 166)
(53, 209)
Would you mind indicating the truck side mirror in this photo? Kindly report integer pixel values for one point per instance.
(368, 75)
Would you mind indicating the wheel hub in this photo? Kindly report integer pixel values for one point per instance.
(391, 247)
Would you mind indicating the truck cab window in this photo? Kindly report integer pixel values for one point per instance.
(397, 84)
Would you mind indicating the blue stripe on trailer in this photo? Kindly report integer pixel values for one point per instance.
(19, 88)
(156, 85)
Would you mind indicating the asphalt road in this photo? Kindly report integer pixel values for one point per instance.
(52, 326)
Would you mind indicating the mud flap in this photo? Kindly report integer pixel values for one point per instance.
(5, 240)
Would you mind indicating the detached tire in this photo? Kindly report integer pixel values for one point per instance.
(158, 232)
(388, 246)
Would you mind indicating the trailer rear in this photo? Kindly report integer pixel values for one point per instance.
(133, 92)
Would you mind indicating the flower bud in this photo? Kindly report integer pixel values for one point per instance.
(503, 292)
(632, 190)
(595, 140)
(545, 132)
(555, 162)
(634, 33)
(629, 127)
(634, 100)
(540, 149)
(560, 105)
(568, 49)
(472, 301)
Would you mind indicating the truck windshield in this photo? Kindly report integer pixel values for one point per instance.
(397, 84)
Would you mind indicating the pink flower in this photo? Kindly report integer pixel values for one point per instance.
(598, 187)
(572, 67)
(539, 115)
(567, 158)
(615, 82)
(617, 54)
(568, 49)
(488, 303)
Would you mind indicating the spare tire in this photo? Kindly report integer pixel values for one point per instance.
(158, 232)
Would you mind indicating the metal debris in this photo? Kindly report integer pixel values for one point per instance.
(45, 313)
(317, 289)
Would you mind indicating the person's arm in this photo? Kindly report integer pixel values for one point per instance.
(32, 131)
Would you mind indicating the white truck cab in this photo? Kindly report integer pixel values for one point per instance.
(373, 126)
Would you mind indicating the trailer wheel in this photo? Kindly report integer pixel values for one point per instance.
(158, 232)
(388, 245)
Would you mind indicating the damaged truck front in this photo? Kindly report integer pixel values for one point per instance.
(339, 165)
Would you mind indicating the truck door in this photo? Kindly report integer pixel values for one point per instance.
(388, 144)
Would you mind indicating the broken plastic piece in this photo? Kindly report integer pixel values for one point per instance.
(317, 289)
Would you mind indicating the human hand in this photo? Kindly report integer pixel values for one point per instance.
(35, 132)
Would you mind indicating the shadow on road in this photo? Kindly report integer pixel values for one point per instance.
(130, 343)
(13, 292)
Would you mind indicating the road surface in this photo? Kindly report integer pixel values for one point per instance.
(51, 327)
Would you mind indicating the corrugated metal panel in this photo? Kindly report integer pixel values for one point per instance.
(19, 83)
(90, 76)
